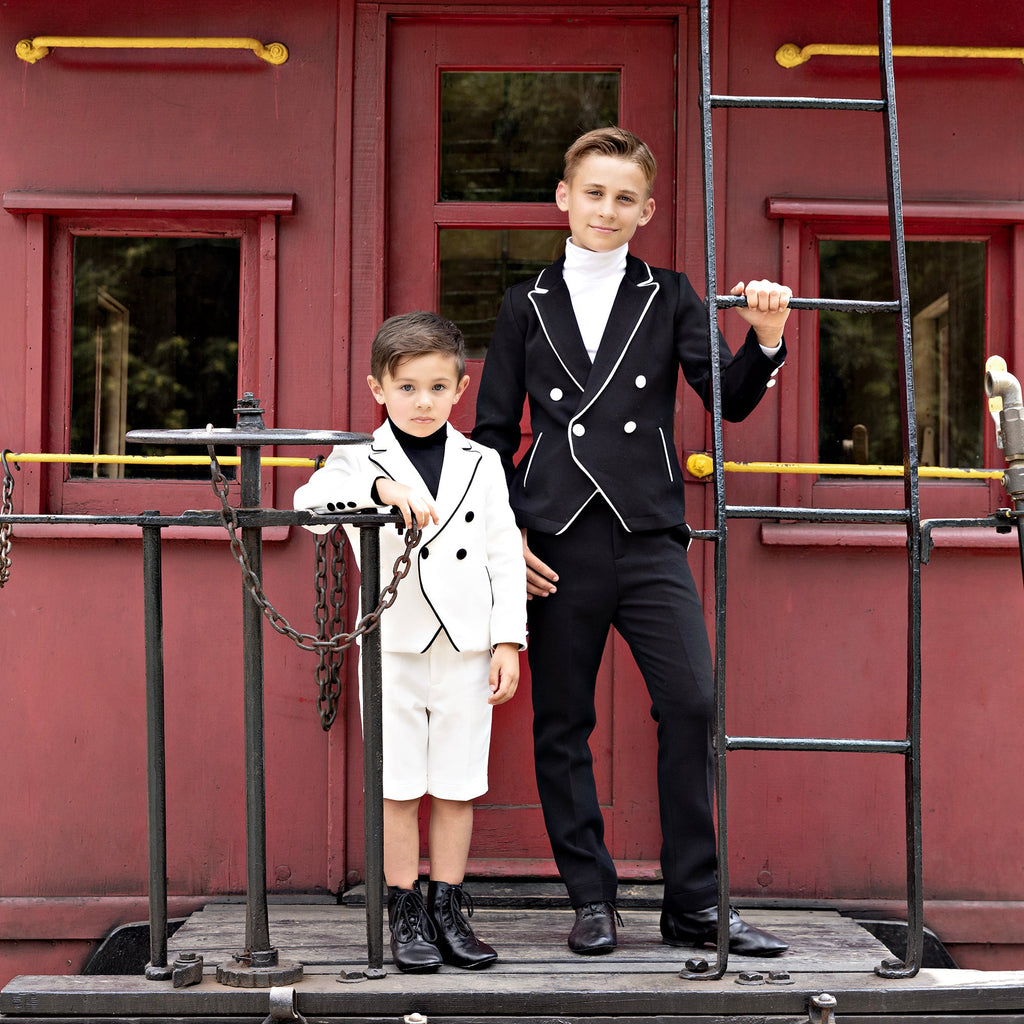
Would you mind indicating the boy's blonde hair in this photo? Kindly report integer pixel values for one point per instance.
(415, 334)
(612, 141)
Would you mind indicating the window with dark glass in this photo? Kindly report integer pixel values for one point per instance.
(859, 380)
(503, 141)
(154, 344)
(504, 133)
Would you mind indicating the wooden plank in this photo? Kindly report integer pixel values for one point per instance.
(536, 977)
(531, 940)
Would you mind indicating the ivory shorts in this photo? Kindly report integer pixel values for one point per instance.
(436, 722)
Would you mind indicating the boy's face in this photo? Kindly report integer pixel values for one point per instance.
(420, 396)
(606, 200)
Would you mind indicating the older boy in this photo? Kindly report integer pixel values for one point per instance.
(451, 640)
(596, 342)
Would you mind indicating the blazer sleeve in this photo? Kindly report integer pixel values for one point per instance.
(744, 375)
(499, 403)
(345, 481)
(505, 563)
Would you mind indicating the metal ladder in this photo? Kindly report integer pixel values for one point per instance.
(908, 748)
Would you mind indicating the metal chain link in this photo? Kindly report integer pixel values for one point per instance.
(306, 641)
(6, 529)
(328, 671)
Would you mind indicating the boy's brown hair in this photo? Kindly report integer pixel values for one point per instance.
(612, 141)
(415, 334)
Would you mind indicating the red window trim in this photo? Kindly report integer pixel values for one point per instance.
(252, 217)
(804, 220)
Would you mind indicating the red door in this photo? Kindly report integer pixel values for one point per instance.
(467, 216)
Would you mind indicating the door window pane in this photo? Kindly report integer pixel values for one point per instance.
(504, 133)
(155, 344)
(478, 265)
(860, 386)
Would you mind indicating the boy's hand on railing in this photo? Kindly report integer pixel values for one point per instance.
(411, 504)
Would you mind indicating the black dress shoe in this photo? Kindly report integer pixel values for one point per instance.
(594, 930)
(413, 938)
(455, 939)
(700, 928)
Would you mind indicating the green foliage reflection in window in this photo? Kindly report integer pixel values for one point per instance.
(860, 386)
(478, 265)
(155, 344)
(504, 133)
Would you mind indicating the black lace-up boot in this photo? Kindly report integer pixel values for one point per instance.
(413, 938)
(455, 939)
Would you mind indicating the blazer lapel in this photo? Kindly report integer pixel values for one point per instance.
(461, 460)
(387, 453)
(636, 292)
(551, 299)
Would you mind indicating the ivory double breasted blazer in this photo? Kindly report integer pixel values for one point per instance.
(604, 428)
(468, 576)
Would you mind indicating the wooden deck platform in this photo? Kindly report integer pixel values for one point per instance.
(535, 979)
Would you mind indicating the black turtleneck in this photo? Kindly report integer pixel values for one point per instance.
(425, 453)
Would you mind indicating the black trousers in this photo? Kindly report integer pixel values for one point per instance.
(639, 583)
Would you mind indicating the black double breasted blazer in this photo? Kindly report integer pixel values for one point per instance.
(604, 428)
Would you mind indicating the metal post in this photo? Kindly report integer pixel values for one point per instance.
(257, 929)
(258, 966)
(911, 963)
(157, 969)
(373, 756)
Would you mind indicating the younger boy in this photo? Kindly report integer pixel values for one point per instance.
(451, 640)
(596, 342)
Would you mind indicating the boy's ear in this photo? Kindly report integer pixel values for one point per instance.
(460, 388)
(647, 213)
(562, 196)
(375, 387)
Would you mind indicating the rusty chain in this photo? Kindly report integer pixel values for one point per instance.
(328, 671)
(330, 641)
(7, 508)
(340, 641)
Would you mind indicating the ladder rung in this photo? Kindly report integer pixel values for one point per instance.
(831, 305)
(798, 102)
(796, 743)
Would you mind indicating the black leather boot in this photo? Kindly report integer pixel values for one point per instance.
(455, 939)
(413, 938)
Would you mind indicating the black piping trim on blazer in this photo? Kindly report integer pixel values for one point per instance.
(440, 630)
(649, 283)
(422, 550)
(537, 290)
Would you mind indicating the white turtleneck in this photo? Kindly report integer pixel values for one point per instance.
(593, 280)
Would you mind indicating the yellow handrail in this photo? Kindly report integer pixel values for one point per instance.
(702, 465)
(31, 50)
(789, 55)
(698, 464)
(154, 460)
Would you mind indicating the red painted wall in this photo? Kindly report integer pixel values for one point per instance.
(73, 824)
(816, 633)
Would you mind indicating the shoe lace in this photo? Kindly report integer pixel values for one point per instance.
(450, 905)
(409, 918)
(593, 909)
